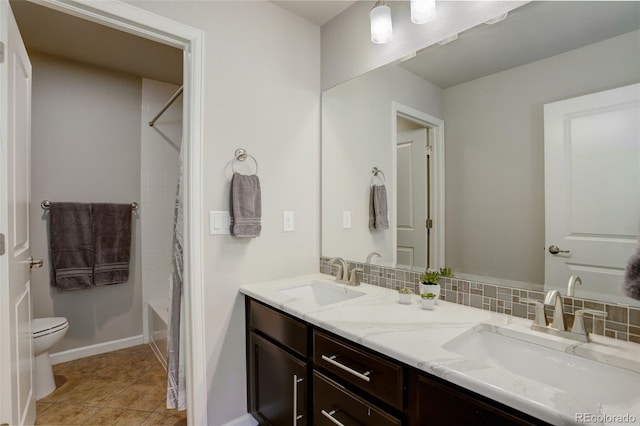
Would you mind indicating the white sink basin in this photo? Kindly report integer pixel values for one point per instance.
(321, 293)
(583, 378)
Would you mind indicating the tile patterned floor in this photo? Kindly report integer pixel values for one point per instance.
(125, 387)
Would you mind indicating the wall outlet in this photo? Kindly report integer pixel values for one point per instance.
(346, 219)
(287, 221)
(219, 223)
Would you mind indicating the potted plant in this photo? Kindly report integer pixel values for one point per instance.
(430, 283)
(404, 295)
(446, 272)
(428, 300)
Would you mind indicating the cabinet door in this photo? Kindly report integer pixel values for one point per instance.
(277, 384)
(432, 403)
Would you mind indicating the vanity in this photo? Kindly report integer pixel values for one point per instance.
(328, 354)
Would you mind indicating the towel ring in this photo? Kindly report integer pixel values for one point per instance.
(375, 172)
(241, 154)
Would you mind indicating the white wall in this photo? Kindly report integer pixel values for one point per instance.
(159, 177)
(495, 155)
(347, 51)
(262, 93)
(356, 136)
(85, 148)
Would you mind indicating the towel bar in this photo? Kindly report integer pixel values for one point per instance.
(46, 204)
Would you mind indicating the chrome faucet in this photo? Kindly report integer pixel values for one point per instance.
(353, 278)
(370, 256)
(578, 322)
(553, 298)
(558, 326)
(572, 284)
(343, 273)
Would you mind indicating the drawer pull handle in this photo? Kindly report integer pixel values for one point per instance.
(329, 415)
(296, 417)
(331, 360)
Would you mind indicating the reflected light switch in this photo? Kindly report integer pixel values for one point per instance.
(346, 219)
(288, 221)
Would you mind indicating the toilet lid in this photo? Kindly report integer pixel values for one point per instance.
(44, 326)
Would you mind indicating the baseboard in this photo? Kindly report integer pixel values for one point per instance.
(246, 420)
(99, 348)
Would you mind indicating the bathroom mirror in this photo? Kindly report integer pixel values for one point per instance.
(480, 102)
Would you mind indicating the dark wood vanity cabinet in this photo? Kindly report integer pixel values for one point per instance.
(431, 402)
(333, 403)
(368, 372)
(278, 381)
(277, 369)
(300, 375)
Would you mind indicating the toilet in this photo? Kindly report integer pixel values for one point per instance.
(46, 332)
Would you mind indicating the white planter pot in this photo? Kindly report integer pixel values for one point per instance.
(428, 304)
(431, 288)
(405, 299)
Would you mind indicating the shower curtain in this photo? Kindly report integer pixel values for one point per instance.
(175, 344)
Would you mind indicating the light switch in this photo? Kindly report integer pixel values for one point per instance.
(219, 223)
(287, 221)
(346, 219)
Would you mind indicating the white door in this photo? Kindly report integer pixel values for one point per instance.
(592, 189)
(17, 402)
(412, 198)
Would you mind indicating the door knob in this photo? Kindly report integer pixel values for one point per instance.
(553, 249)
(35, 263)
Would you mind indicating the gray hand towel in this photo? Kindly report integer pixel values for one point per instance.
(246, 206)
(71, 240)
(631, 284)
(112, 240)
(378, 211)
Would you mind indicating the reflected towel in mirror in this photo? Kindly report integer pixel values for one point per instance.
(378, 211)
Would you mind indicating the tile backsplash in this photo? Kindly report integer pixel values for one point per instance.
(622, 323)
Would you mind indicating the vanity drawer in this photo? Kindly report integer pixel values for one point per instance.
(334, 405)
(278, 326)
(371, 373)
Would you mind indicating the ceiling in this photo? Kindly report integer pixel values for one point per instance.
(55, 33)
(532, 32)
(48, 31)
(318, 12)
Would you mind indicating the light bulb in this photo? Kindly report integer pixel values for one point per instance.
(381, 28)
(423, 11)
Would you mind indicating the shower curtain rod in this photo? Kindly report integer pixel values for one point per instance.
(166, 106)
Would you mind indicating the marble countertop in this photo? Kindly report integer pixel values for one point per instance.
(420, 338)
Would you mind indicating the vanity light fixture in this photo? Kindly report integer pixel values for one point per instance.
(497, 19)
(448, 40)
(423, 11)
(381, 28)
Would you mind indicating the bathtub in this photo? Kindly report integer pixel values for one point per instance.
(158, 320)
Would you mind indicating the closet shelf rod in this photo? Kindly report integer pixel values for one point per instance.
(166, 106)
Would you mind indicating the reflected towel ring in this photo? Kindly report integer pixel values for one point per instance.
(375, 172)
(241, 154)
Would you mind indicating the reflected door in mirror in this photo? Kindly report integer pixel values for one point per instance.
(412, 202)
(592, 187)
